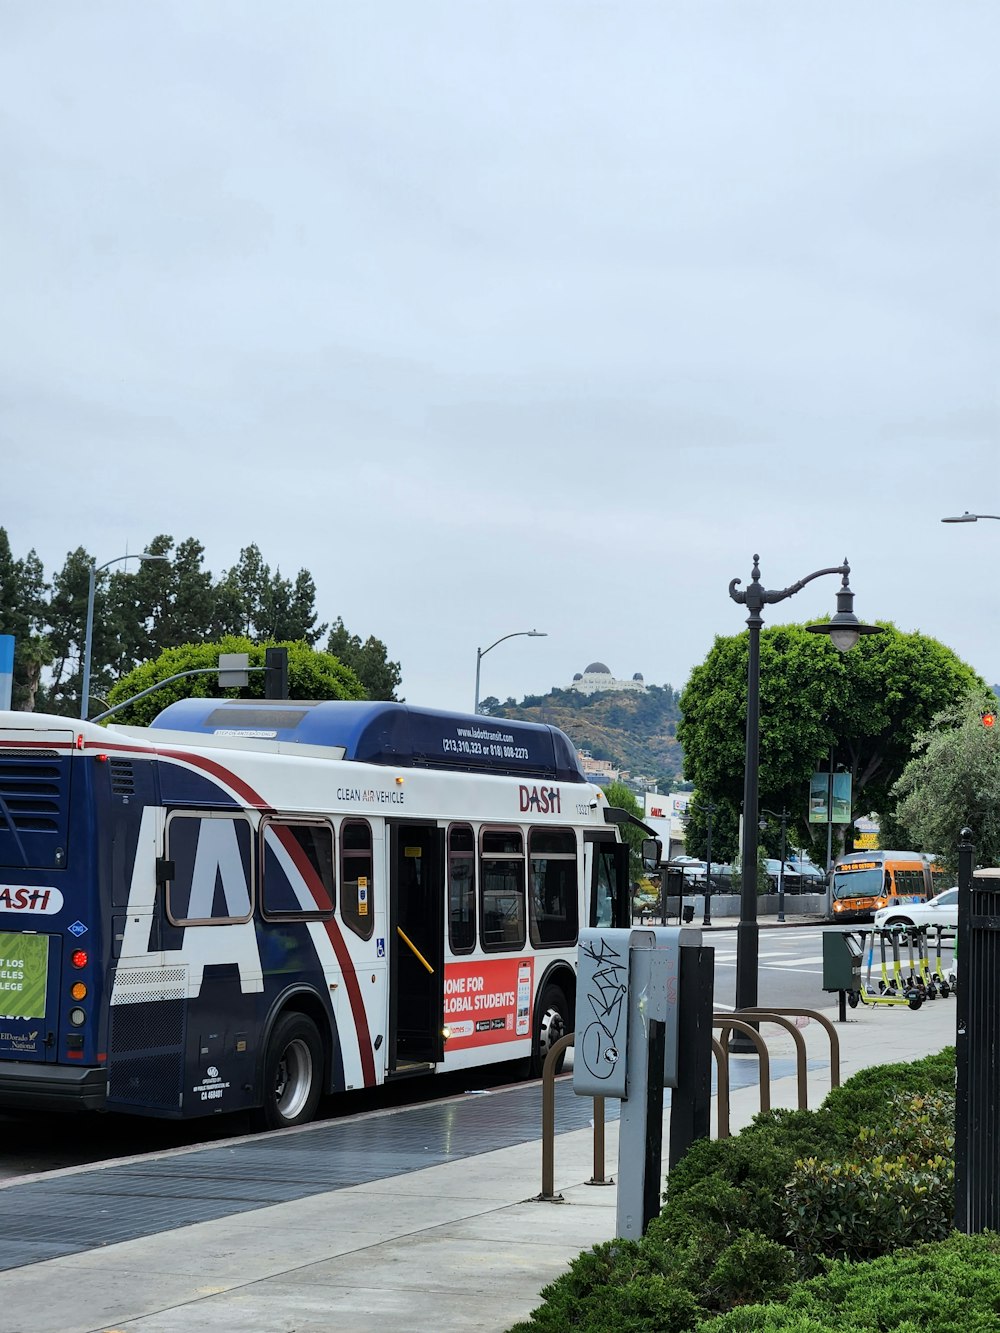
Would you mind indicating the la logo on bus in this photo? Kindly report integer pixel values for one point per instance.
(546, 800)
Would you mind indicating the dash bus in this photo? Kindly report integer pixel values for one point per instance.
(250, 904)
(862, 882)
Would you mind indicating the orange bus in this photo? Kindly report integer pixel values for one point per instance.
(862, 882)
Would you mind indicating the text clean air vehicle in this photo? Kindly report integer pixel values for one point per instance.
(250, 903)
(863, 882)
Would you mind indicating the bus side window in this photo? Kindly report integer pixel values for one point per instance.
(297, 869)
(555, 889)
(356, 906)
(501, 889)
(461, 889)
(212, 856)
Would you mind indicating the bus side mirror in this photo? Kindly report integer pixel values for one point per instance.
(652, 850)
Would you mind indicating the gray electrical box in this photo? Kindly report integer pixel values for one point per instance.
(842, 953)
(601, 1013)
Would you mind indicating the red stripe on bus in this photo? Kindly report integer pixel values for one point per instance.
(312, 882)
(251, 797)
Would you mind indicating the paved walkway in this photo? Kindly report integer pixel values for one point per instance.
(459, 1245)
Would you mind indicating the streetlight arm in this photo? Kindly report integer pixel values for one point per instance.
(514, 634)
(88, 633)
(755, 597)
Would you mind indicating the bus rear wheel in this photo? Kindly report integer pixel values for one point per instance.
(293, 1074)
(553, 1022)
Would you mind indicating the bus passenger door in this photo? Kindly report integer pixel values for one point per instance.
(416, 946)
(609, 900)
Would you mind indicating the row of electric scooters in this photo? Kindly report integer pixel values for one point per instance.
(911, 979)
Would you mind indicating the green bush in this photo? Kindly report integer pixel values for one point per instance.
(863, 1099)
(752, 1268)
(895, 1187)
(952, 1286)
(622, 1286)
(723, 1236)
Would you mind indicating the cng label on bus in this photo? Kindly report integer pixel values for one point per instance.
(44, 900)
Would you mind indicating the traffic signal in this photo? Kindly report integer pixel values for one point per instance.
(275, 673)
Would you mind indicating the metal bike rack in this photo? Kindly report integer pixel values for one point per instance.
(548, 1194)
(824, 1023)
(727, 1023)
(722, 1082)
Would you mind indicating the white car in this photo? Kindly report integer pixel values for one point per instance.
(941, 910)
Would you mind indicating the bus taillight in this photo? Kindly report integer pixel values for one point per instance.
(79, 958)
(78, 990)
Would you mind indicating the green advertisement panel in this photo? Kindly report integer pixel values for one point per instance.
(24, 971)
(819, 798)
(819, 794)
(841, 798)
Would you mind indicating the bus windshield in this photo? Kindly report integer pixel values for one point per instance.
(866, 883)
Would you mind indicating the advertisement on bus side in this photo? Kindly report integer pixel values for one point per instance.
(487, 1000)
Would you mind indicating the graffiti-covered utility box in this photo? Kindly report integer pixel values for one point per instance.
(624, 977)
(599, 1051)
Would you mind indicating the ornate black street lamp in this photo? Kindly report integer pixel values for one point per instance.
(844, 631)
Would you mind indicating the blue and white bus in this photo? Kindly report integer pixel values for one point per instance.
(249, 904)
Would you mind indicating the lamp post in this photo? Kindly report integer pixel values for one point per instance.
(844, 631)
(708, 810)
(784, 817)
(969, 518)
(89, 632)
(515, 634)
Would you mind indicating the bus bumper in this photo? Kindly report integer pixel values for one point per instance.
(36, 1087)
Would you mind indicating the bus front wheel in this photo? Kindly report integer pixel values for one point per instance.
(293, 1073)
(553, 1022)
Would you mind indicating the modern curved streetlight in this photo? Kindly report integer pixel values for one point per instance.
(515, 634)
(89, 632)
(969, 518)
(844, 630)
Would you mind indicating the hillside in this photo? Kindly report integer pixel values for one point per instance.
(634, 731)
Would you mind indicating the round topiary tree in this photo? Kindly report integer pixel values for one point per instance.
(311, 675)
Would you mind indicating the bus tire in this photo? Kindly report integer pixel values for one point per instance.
(553, 1022)
(293, 1073)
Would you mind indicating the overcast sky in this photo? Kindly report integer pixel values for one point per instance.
(500, 315)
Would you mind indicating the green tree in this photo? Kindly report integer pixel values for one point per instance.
(22, 614)
(163, 603)
(865, 706)
(953, 780)
(264, 606)
(311, 675)
(369, 661)
(622, 797)
(66, 619)
(725, 829)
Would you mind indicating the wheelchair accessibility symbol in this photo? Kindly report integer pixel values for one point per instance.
(380, 948)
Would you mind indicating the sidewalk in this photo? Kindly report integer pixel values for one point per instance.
(460, 1246)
